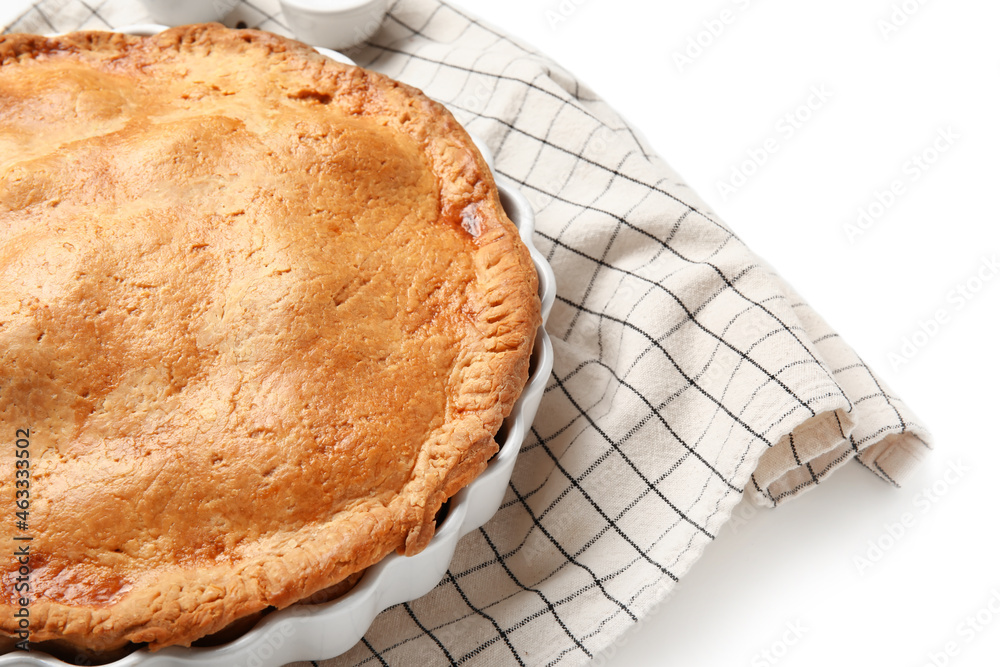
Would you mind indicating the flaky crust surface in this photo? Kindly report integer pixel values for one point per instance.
(262, 313)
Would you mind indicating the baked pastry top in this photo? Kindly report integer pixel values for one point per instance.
(262, 313)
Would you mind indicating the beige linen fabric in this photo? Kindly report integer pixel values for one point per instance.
(685, 370)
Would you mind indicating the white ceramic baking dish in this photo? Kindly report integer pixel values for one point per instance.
(321, 631)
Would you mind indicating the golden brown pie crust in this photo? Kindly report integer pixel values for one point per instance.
(262, 313)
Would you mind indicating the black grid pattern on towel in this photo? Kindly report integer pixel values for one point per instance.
(682, 362)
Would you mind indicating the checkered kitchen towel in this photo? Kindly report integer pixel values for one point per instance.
(686, 371)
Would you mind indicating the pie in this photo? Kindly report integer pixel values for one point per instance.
(261, 315)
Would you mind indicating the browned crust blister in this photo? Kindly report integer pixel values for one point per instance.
(485, 333)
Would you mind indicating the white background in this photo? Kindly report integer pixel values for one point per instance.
(890, 95)
(836, 565)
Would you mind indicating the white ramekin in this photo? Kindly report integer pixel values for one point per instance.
(179, 12)
(335, 24)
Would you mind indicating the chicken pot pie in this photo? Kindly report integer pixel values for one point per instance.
(261, 314)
